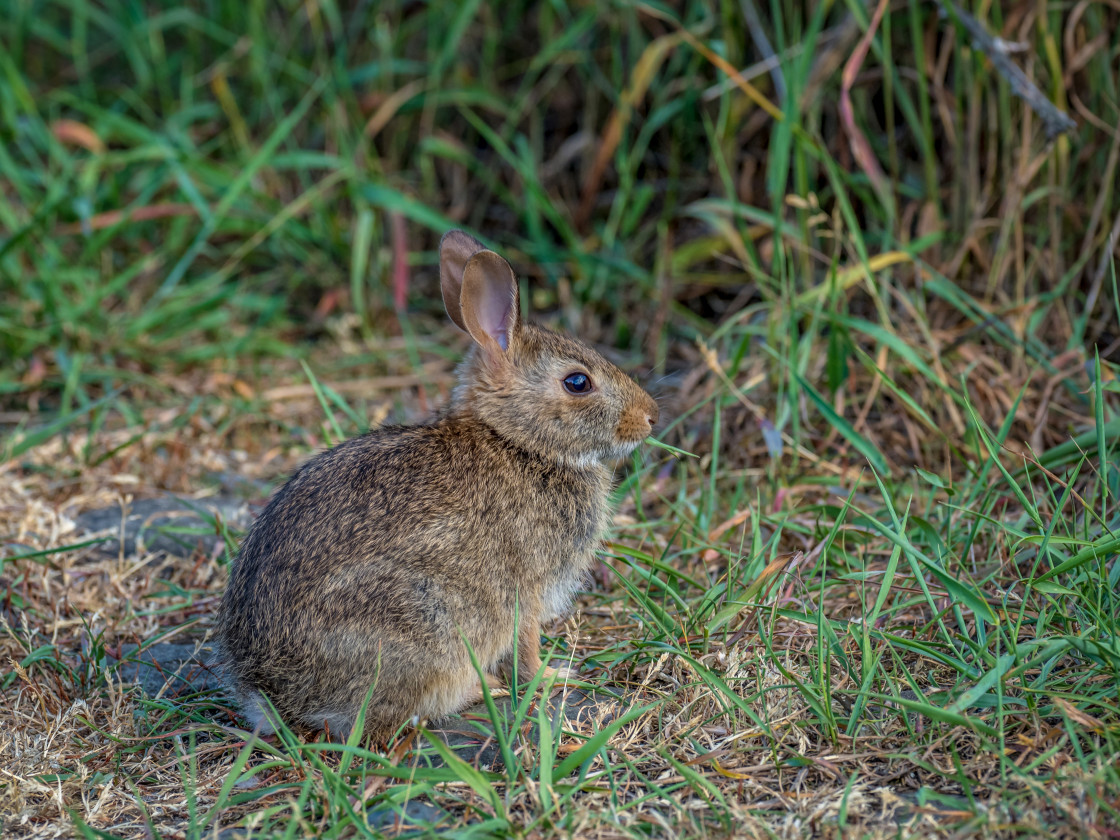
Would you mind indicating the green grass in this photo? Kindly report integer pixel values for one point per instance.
(881, 601)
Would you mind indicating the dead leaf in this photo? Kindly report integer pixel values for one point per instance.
(77, 134)
(388, 109)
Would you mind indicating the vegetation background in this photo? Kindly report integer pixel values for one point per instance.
(876, 299)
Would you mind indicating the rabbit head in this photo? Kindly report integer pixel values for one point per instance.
(543, 391)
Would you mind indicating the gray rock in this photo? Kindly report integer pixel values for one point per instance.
(416, 813)
(174, 526)
(175, 668)
(410, 821)
(238, 486)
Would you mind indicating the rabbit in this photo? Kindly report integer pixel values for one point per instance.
(381, 559)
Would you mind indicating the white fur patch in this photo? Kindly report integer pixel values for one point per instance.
(263, 719)
(339, 723)
(255, 708)
(558, 599)
(581, 462)
(601, 459)
(621, 450)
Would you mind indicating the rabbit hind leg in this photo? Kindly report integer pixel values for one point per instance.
(453, 692)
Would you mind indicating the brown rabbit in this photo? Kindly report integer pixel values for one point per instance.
(380, 556)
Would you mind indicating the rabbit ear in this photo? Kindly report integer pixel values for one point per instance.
(490, 302)
(455, 249)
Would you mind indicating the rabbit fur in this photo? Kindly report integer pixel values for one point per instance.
(369, 569)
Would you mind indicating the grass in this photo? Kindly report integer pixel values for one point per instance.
(880, 602)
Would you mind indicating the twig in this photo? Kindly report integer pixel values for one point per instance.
(1054, 120)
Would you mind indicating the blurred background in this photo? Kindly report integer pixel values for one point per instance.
(219, 185)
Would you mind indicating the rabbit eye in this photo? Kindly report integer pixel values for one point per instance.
(577, 383)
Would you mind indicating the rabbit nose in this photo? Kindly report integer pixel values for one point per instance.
(652, 413)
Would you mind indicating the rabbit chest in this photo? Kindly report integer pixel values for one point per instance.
(569, 517)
